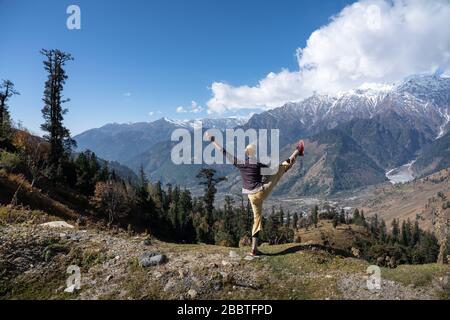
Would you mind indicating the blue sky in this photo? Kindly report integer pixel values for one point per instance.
(140, 60)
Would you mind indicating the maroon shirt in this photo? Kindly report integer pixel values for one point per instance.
(250, 172)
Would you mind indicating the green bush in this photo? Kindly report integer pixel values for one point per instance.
(9, 161)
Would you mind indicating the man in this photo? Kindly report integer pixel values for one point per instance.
(252, 181)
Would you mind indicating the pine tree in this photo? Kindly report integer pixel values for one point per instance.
(88, 172)
(335, 219)
(374, 227)
(6, 92)
(395, 231)
(383, 231)
(142, 189)
(56, 134)
(363, 219)
(356, 217)
(404, 234)
(281, 216)
(342, 216)
(288, 219)
(208, 179)
(315, 215)
(416, 233)
(295, 220)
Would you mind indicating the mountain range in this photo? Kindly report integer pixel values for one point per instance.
(353, 138)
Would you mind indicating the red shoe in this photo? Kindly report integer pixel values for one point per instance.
(301, 148)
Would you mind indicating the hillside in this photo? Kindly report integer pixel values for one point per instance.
(403, 201)
(34, 260)
(433, 157)
(342, 237)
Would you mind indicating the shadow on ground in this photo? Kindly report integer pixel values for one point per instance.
(310, 247)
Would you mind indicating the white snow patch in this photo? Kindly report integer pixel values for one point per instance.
(401, 174)
(442, 127)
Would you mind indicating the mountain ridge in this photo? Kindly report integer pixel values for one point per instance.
(390, 123)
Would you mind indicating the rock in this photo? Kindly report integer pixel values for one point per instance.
(147, 242)
(149, 259)
(57, 224)
(181, 273)
(355, 252)
(170, 285)
(76, 237)
(249, 258)
(226, 263)
(192, 294)
(234, 255)
(109, 277)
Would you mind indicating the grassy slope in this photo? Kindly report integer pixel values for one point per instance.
(341, 237)
(291, 271)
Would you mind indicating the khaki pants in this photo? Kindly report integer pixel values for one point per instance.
(257, 199)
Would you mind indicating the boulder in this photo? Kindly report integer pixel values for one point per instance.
(149, 259)
(192, 294)
(57, 224)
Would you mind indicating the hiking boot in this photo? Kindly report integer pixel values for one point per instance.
(255, 253)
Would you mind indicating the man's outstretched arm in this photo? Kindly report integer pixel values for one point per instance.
(229, 156)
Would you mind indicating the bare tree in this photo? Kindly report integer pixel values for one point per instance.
(111, 198)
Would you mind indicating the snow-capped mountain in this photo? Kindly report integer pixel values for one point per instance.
(421, 99)
(121, 142)
(217, 123)
(354, 137)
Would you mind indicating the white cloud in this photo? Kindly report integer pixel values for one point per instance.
(151, 113)
(127, 94)
(181, 109)
(195, 108)
(370, 41)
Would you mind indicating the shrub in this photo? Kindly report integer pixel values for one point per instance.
(9, 161)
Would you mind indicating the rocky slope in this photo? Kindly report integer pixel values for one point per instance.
(34, 260)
